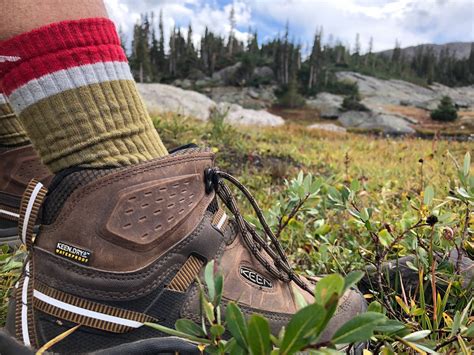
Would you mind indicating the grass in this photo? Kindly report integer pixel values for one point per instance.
(389, 177)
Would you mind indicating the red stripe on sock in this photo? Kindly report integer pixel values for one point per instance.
(53, 62)
(61, 37)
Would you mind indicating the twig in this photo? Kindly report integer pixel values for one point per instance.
(463, 238)
(433, 278)
(447, 342)
(282, 224)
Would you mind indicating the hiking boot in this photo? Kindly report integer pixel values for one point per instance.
(120, 247)
(18, 166)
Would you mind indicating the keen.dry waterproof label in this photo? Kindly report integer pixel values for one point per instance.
(72, 253)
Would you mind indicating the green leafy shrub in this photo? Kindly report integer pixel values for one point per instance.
(446, 111)
(342, 87)
(289, 97)
(252, 335)
(352, 103)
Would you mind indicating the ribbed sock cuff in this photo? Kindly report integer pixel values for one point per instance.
(72, 88)
(11, 131)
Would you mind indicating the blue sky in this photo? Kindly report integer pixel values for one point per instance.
(410, 21)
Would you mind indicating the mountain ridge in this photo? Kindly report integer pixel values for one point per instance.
(461, 50)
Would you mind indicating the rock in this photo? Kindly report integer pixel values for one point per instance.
(327, 104)
(227, 75)
(236, 114)
(160, 98)
(263, 74)
(253, 98)
(402, 92)
(203, 82)
(386, 123)
(330, 127)
(167, 98)
(186, 84)
(253, 94)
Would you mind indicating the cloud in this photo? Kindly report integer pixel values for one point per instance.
(410, 21)
(181, 13)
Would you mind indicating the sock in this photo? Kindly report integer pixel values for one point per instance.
(11, 131)
(71, 86)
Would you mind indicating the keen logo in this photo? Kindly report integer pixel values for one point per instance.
(73, 253)
(255, 277)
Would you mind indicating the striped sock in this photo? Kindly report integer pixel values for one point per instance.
(72, 88)
(11, 131)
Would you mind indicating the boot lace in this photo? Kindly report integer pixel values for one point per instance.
(280, 268)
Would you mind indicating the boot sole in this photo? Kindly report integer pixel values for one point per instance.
(165, 345)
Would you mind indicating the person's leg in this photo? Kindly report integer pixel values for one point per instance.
(69, 82)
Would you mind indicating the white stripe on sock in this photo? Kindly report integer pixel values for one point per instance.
(67, 79)
(85, 312)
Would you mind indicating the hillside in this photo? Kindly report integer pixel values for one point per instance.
(393, 107)
(460, 50)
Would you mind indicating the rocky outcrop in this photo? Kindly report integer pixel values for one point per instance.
(235, 114)
(166, 98)
(377, 92)
(247, 97)
(263, 74)
(386, 123)
(327, 104)
(160, 98)
(227, 75)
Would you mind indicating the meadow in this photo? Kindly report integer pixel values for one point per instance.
(340, 202)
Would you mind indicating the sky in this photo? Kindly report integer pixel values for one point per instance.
(411, 22)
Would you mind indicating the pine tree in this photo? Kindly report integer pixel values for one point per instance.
(232, 22)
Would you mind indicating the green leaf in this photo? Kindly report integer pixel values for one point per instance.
(352, 279)
(375, 306)
(390, 326)
(259, 341)
(326, 287)
(299, 298)
(467, 164)
(385, 238)
(189, 327)
(209, 278)
(421, 334)
(364, 215)
(219, 288)
(217, 330)
(209, 311)
(359, 328)
(236, 324)
(428, 195)
(469, 332)
(304, 325)
(177, 333)
(232, 347)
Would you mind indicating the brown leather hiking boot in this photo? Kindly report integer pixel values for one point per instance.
(119, 247)
(18, 166)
